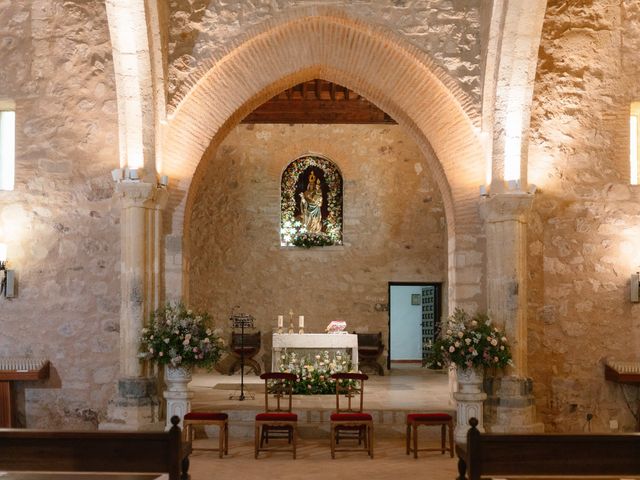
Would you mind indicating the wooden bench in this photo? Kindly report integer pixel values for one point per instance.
(23, 450)
(552, 454)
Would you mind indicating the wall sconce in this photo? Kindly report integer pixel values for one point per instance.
(117, 174)
(164, 181)
(7, 285)
(127, 174)
(635, 287)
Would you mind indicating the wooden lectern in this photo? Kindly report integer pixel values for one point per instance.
(17, 370)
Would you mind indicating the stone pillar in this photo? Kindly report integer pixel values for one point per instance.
(510, 404)
(136, 404)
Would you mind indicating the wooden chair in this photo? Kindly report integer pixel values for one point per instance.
(351, 420)
(414, 420)
(370, 347)
(221, 420)
(278, 421)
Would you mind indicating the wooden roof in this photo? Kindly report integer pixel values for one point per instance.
(318, 101)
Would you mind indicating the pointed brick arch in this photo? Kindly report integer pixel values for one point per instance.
(375, 63)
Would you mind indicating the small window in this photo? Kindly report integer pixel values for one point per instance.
(7, 149)
(633, 142)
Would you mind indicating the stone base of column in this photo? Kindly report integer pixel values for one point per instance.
(136, 406)
(510, 406)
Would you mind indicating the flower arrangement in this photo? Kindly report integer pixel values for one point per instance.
(308, 240)
(314, 372)
(180, 337)
(470, 342)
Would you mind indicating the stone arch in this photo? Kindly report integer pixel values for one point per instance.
(373, 62)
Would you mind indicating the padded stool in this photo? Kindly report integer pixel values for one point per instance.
(414, 420)
(192, 419)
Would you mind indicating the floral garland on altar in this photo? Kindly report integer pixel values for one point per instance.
(313, 372)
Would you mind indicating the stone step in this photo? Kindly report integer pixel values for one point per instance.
(315, 423)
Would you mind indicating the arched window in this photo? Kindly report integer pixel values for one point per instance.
(311, 203)
(634, 138)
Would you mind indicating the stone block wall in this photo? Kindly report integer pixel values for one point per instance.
(446, 30)
(394, 228)
(584, 234)
(60, 222)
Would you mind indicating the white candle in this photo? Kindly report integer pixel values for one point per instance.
(301, 321)
(280, 321)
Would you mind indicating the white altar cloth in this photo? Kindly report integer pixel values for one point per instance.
(314, 341)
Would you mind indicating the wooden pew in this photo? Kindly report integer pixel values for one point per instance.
(504, 455)
(23, 450)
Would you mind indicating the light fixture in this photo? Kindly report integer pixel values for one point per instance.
(133, 174)
(7, 285)
(513, 185)
(117, 174)
(164, 181)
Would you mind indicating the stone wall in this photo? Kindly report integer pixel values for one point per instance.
(447, 31)
(394, 228)
(60, 222)
(584, 235)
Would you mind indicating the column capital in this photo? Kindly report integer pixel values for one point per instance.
(506, 206)
(141, 194)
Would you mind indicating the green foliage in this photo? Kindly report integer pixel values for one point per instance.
(469, 342)
(181, 337)
(308, 240)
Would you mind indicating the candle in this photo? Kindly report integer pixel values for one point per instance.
(280, 321)
(301, 321)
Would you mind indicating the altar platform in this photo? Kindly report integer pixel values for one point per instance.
(387, 398)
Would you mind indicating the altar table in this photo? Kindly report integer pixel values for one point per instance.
(314, 341)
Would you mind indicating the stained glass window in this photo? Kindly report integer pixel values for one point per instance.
(311, 203)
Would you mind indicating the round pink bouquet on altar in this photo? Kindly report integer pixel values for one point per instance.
(336, 326)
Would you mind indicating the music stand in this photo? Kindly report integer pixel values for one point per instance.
(241, 321)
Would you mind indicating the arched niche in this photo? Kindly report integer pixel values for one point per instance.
(311, 202)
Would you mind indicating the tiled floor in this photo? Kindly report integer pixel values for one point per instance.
(389, 398)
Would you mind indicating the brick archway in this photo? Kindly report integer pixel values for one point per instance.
(373, 62)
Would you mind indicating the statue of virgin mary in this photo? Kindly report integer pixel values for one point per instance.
(311, 205)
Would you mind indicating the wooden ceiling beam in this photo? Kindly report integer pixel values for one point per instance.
(294, 106)
(318, 111)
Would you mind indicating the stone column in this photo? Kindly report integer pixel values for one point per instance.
(136, 405)
(510, 403)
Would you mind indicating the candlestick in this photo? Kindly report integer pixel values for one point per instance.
(280, 321)
(301, 321)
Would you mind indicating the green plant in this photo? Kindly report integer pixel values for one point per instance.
(308, 240)
(314, 372)
(179, 337)
(469, 342)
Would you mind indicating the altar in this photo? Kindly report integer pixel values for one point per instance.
(314, 341)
